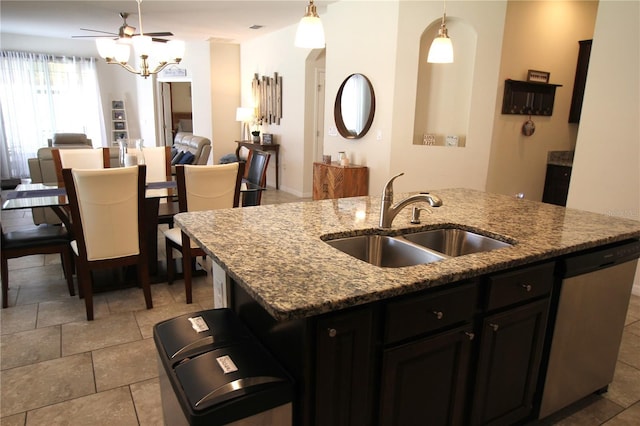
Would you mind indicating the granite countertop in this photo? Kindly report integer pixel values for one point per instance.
(276, 254)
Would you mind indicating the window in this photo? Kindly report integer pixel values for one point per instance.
(42, 94)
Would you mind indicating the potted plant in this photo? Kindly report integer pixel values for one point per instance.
(256, 130)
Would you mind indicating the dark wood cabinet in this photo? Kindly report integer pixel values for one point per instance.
(427, 379)
(336, 181)
(510, 353)
(345, 368)
(556, 185)
(580, 80)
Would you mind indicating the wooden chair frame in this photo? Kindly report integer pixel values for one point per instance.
(190, 253)
(45, 245)
(85, 266)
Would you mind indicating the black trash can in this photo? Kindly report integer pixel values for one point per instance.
(214, 372)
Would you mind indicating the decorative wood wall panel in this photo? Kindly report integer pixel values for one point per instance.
(267, 97)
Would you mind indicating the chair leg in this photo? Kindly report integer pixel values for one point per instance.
(186, 266)
(143, 278)
(84, 282)
(67, 268)
(170, 265)
(5, 282)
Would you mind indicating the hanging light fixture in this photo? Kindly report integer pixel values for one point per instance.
(118, 51)
(441, 50)
(310, 33)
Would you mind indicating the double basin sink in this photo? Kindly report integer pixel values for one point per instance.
(415, 248)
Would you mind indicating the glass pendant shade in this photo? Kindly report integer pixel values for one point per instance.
(310, 33)
(174, 50)
(122, 52)
(441, 50)
(106, 47)
(142, 45)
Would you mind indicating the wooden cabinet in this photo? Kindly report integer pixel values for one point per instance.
(427, 379)
(344, 369)
(580, 81)
(528, 97)
(336, 181)
(556, 185)
(511, 339)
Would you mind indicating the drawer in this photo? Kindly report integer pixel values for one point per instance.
(417, 315)
(518, 286)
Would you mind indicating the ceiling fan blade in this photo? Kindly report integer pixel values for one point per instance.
(159, 40)
(159, 34)
(98, 31)
(115, 37)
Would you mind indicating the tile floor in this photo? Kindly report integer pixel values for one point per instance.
(59, 369)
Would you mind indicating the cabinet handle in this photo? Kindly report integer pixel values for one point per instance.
(332, 332)
(527, 287)
(494, 327)
(470, 335)
(438, 314)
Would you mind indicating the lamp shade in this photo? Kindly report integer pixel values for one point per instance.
(106, 47)
(310, 33)
(441, 50)
(244, 114)
(122, 52)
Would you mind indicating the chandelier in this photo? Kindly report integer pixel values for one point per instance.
(117, 52)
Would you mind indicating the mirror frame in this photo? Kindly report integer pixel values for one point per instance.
(337, 110)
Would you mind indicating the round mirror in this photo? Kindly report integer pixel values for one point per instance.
(354, 107)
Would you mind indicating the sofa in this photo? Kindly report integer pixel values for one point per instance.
(69, 140)
(189, 149)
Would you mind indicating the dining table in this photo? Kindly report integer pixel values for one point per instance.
(30, 195)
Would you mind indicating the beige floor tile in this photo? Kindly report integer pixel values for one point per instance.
(29, 347)
(629, 417)
(132, 299)
(45, 383)
(629, 349)
(146, 397)
(70, 310)
(591, 411)
(125, 364)
(113, 407)
(15, 420)
(24, 262)
(148, 318)
(633, 328)
(625, 389)
(18, 318)
(633, 312)
(83, 336)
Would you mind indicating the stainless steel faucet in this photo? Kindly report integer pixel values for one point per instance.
(388, 210)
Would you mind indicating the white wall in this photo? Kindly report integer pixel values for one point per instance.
(264, 56)
(606, 169)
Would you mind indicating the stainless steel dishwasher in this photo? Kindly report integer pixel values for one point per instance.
(592, 306)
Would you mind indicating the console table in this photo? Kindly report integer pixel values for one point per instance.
(262, 147)
(337, 181)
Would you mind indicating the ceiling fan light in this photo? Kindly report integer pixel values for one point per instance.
(106, 47)
(310, 32)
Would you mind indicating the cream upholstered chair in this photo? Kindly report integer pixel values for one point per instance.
(107, 212)
(158, 162)
(79, 158)
(200, 188)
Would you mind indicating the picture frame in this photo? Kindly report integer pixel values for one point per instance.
(118, 115)
(536, 76)
(267, 138)
(117, 104)
(119, 125)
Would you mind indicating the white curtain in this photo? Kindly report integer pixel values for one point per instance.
(42, 94)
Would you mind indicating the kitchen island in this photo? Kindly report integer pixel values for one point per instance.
(297, 293)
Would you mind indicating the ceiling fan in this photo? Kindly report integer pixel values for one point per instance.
(125, 31)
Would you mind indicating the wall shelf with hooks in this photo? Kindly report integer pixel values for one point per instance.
(528, 98)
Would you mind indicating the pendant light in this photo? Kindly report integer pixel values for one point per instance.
(310, 33)
(441, 50)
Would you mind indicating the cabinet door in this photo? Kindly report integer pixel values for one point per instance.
(320, 185)
(426, 381)
(344, 369)
(509, 359)
(556, 185)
